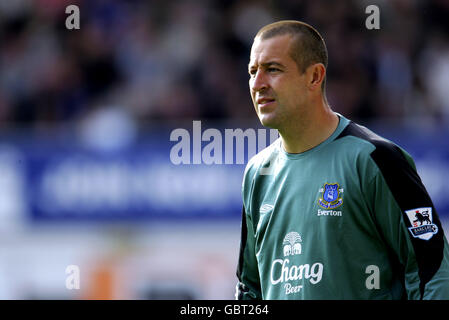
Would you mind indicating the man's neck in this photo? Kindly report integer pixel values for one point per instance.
(311, 133)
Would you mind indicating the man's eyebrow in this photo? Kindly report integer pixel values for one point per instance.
(271, 63)
(267, 64)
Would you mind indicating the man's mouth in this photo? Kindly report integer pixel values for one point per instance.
(262, 102)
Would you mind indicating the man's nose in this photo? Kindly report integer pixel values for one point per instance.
(259, 82)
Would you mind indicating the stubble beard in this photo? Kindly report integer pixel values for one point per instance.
(270, 120)
(288, 124)
(276, 119)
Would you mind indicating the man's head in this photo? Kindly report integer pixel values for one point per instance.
(307, 46)
(287, 69)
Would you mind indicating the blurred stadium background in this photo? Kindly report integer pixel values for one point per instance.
(86, 115)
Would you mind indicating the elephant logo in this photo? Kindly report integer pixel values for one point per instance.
(287, 250)
(292, 244)
(297, 248)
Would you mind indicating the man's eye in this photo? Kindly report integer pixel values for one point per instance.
(271, 69)
(252, 72)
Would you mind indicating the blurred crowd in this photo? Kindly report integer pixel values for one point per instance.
(187, 59)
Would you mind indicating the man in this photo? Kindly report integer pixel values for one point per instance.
(330, 209)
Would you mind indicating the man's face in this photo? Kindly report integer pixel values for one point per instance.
(277, 87)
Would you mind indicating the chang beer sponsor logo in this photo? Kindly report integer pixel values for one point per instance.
(422, 223)
(292, 244)
(292, 276)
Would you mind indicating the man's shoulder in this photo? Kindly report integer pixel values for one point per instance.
(362, 133)
(372, 144)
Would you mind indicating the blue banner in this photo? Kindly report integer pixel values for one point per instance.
(58, 178)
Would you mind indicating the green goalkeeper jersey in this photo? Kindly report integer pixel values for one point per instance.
(348, 219)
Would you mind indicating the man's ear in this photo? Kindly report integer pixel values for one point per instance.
(315, 75)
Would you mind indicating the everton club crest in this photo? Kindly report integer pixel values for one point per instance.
(331, 196)
(422, 224)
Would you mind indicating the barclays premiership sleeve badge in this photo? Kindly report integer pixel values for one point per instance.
(422, 224)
